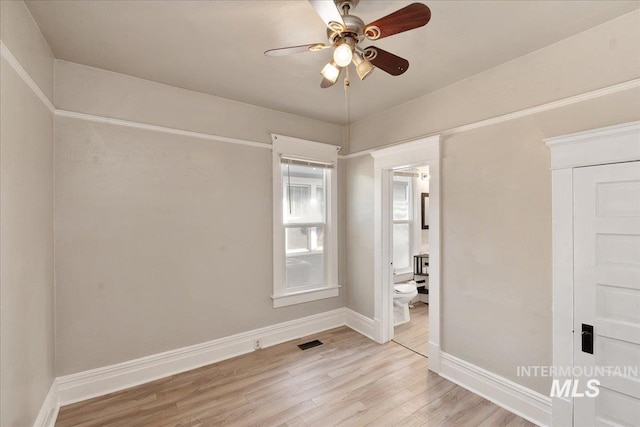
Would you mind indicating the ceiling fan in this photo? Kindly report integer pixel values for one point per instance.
(346, 31)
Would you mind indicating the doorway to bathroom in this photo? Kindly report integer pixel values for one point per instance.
(410, 257)
(414, 155)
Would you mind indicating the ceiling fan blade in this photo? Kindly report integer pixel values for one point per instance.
(386, 61)
(413, 16)
(329, 13)
(296, 49)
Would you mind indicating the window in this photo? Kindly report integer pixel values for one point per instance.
(304, 226)
(402, 223)
(304, 222)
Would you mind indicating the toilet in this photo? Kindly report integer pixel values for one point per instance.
(402, 295)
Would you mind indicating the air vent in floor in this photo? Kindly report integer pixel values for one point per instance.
(310, 344)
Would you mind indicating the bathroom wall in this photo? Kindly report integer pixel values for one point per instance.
(163, 241)
(496, 191)
(423, 187)
(26, 221)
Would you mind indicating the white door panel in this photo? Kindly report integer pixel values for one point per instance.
(622, 408)
(607, 289)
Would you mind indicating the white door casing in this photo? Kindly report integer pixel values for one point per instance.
(421, 152)
(610, 145)
(607, 290)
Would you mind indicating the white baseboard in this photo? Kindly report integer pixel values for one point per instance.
(97, 382)
(434, 357)
(562, 414)
(49, 409)
(359, 323)
(377, 331)
(514, 397)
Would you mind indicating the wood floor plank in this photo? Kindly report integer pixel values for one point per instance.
(520, 422)
(449, 406)
(373, 412)
(415, 333)
(472, 417)
(348, 381)
(402, 413)
(501, 417)
(288, 414)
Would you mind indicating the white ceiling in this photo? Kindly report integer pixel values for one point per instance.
(216, 47)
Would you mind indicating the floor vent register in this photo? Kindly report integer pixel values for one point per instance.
(310, 344)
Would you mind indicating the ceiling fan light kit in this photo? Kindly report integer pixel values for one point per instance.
(363, 66)
(343, 54)
(331, 72)
(346, 31)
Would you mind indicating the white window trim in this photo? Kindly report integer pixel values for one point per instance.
(295, 147)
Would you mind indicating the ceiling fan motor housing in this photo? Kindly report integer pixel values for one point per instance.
(345, 31)
(355, 28)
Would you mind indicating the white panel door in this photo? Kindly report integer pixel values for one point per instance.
(607, 289)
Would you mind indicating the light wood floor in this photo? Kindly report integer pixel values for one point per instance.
(415, 333)
(348, 381)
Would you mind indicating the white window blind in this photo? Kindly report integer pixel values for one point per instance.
(402, 221)
(304, 221)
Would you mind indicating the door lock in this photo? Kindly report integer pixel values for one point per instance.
(587, 338)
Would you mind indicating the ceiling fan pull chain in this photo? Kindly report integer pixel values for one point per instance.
(347, 82)
(347, 111)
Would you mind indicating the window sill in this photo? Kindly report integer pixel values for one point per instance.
(307, 295)
(303, 253)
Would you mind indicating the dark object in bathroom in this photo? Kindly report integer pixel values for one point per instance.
(421, 265)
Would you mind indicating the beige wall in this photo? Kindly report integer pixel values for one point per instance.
(20, 33)
(26, 223)
(163, 241)
(597, 58)
(359, 232)
(496, 257)
(104, 93)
